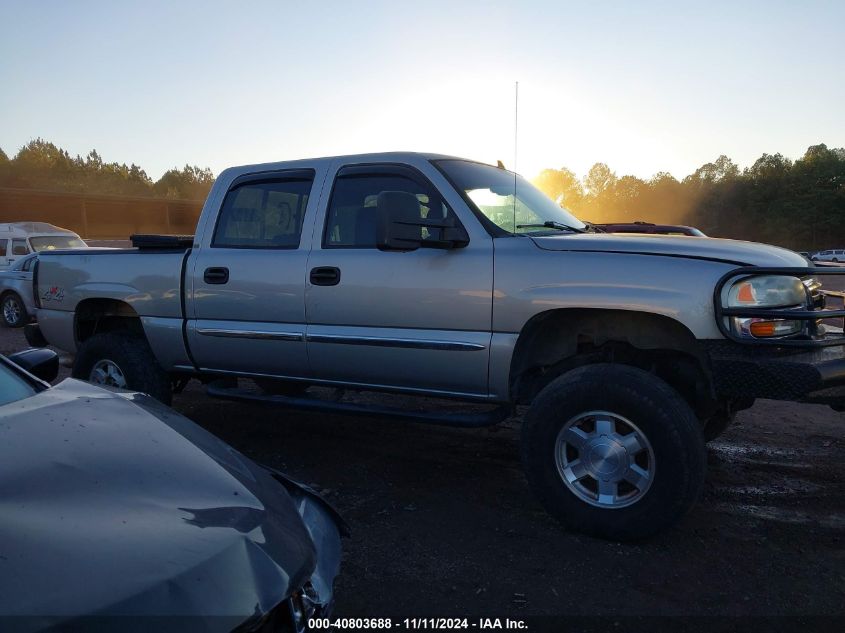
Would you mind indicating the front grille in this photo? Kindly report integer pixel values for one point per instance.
(814, 289)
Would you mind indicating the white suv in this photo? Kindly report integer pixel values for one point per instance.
(19, 239)
(829, 256)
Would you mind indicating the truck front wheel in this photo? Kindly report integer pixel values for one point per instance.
(613, 451)
(123, 360)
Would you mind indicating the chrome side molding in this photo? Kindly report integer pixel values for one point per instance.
(346, 339)
(408, 343)
(256, 334)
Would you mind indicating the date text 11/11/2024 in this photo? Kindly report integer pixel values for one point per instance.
(417, 624)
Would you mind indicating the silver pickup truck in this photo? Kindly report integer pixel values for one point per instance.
(431, 275)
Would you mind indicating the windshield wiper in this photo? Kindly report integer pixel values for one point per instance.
(551, 224)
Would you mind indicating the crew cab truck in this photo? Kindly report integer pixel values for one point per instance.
(431, 275)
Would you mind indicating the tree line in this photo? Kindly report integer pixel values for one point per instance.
(42, 165)
(798, 204)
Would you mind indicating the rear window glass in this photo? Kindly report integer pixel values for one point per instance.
(263, 215)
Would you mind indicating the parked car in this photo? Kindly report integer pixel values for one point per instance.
(649, 228)
(16, 303)
(426, 274)
(18, 239)
(837, 255)
(115, 505)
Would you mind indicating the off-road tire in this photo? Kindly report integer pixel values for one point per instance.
(662, 415)
(133, 355)
(23, 315)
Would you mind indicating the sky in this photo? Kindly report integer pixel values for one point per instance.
(643, 86)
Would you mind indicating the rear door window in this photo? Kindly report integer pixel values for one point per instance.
(263, 213)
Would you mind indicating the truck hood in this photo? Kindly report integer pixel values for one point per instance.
(113, 504)
(715, 249)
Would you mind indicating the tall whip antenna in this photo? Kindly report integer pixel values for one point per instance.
(515, 122)
(515, 139)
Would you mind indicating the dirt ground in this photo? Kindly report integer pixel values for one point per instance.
(443, 522)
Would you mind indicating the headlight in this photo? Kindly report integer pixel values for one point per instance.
(766, 291)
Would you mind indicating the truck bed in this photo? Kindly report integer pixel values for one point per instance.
(150, 281)
(161, 242)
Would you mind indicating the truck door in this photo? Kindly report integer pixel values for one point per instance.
(419, 320)
(245, 287)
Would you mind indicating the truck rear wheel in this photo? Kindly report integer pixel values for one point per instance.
(613, 451)
(123, 360)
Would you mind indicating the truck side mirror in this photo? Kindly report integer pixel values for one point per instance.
(41, 363)
(399, 225)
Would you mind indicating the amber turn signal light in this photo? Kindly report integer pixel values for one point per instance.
(763, 328)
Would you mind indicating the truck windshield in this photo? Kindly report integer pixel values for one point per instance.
(508, 200)
(55, 242)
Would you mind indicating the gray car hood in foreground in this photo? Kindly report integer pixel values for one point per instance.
(113, 508)
(731, 251)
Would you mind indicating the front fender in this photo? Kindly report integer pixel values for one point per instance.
(530, 281)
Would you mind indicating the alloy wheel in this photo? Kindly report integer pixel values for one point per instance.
(604, 459)
(107, 372)
(11, 311)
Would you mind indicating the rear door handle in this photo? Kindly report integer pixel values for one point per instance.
(325, 276)
(216, 275)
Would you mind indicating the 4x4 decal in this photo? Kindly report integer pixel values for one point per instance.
(54, 293)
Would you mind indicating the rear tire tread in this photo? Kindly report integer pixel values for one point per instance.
(133, 355)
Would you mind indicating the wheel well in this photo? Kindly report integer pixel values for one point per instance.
(554, 342)
(94, 316)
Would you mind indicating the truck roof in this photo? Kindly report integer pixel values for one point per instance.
(375, 157)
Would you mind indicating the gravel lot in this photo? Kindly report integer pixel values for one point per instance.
(443, 522)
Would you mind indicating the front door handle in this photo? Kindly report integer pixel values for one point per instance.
(216, 275)
(325, 276)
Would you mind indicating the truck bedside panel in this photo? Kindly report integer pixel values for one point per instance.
(149, 282)
(165, 337)
(57, 327)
